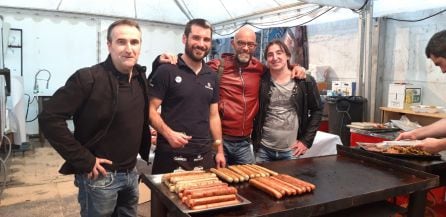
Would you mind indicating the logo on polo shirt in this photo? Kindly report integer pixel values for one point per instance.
(178, 79)
(208, 86)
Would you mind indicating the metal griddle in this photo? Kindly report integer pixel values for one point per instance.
(342, 181)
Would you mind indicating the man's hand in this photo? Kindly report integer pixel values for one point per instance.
(299, 72)
(298, 148)
(177, 139)
(94, 174)
(220, 160)
(407, 136)
(168, 58)
(431, 145)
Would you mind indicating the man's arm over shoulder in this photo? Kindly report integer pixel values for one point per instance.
(52, 120)
(214, 64)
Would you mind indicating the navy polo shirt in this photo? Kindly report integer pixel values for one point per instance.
(186, 99)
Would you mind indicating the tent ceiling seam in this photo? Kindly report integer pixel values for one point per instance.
(279, 9)
(84, 15)
(226, 9)
(189, 16)
(134, 8)
(58, 5)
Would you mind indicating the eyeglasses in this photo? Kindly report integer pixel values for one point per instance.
(250, 45)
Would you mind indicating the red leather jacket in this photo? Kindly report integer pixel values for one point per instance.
(239, 94)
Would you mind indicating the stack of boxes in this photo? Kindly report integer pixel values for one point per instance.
(343, 88)
(403, 95)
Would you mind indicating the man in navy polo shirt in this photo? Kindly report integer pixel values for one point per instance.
(189, 124)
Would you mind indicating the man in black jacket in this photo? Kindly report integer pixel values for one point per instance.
(290, 109)
(109, 106)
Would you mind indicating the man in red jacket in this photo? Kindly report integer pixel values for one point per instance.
(239, 92)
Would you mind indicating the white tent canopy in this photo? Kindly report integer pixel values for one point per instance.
(218, 12)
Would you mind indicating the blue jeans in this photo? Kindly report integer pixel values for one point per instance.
(238, 152)
(265, 154)
(113, 195)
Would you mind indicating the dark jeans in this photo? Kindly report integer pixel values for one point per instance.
(238, 152)
(113, 195)
(265, 154)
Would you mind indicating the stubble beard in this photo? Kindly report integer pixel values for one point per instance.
(190, 52)
(243, 58)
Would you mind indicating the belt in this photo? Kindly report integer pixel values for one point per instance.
(121, 171)
(235, 139)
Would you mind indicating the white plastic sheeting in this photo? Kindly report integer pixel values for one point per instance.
(220, 12)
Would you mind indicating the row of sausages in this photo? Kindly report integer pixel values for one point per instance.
(178, 181)
(199, 190)
(204, 190)
(282, 185)
(241, 173)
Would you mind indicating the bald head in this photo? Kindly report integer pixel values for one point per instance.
(244, 44)
(245, 32)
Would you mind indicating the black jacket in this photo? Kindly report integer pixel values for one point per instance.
(89, 96)
(308, 105)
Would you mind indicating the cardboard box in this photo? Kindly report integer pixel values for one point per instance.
(343, 88)
(348, 88)
(336, 87)
(403, 95)
(144, 193)
(322, 86)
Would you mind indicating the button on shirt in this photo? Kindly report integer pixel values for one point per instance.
(186, 100)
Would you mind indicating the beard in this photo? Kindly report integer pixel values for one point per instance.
(243, 58)
(193, 55)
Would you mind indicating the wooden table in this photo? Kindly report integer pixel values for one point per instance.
(422, 118)
(342, 181)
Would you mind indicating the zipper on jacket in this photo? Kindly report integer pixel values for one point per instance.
(244, 100)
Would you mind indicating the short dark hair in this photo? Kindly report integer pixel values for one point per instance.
(199, 22)
(282, 46)
(125, 22)
(437, 45)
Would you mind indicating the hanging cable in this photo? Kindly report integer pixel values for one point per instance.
(27, 108)
(361, 8)
(258, 25)
(286, 19)
(417, 20)
(301, 23)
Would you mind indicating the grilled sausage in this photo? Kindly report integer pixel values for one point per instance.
(222, 175)
(271, 191)
(213, 205)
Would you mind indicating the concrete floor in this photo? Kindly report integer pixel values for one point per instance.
(34, 188)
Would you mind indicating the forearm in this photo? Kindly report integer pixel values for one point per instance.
(215, 127)
(311, 129)
(158, 124)
(434, 130)
(442, 144)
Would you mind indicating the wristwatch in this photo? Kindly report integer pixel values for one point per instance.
(217, 142)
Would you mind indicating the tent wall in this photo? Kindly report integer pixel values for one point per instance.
(62, 45)
(335, 47)
(405, 59)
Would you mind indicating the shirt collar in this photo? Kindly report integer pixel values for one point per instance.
(204, 68)
(120, 76)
